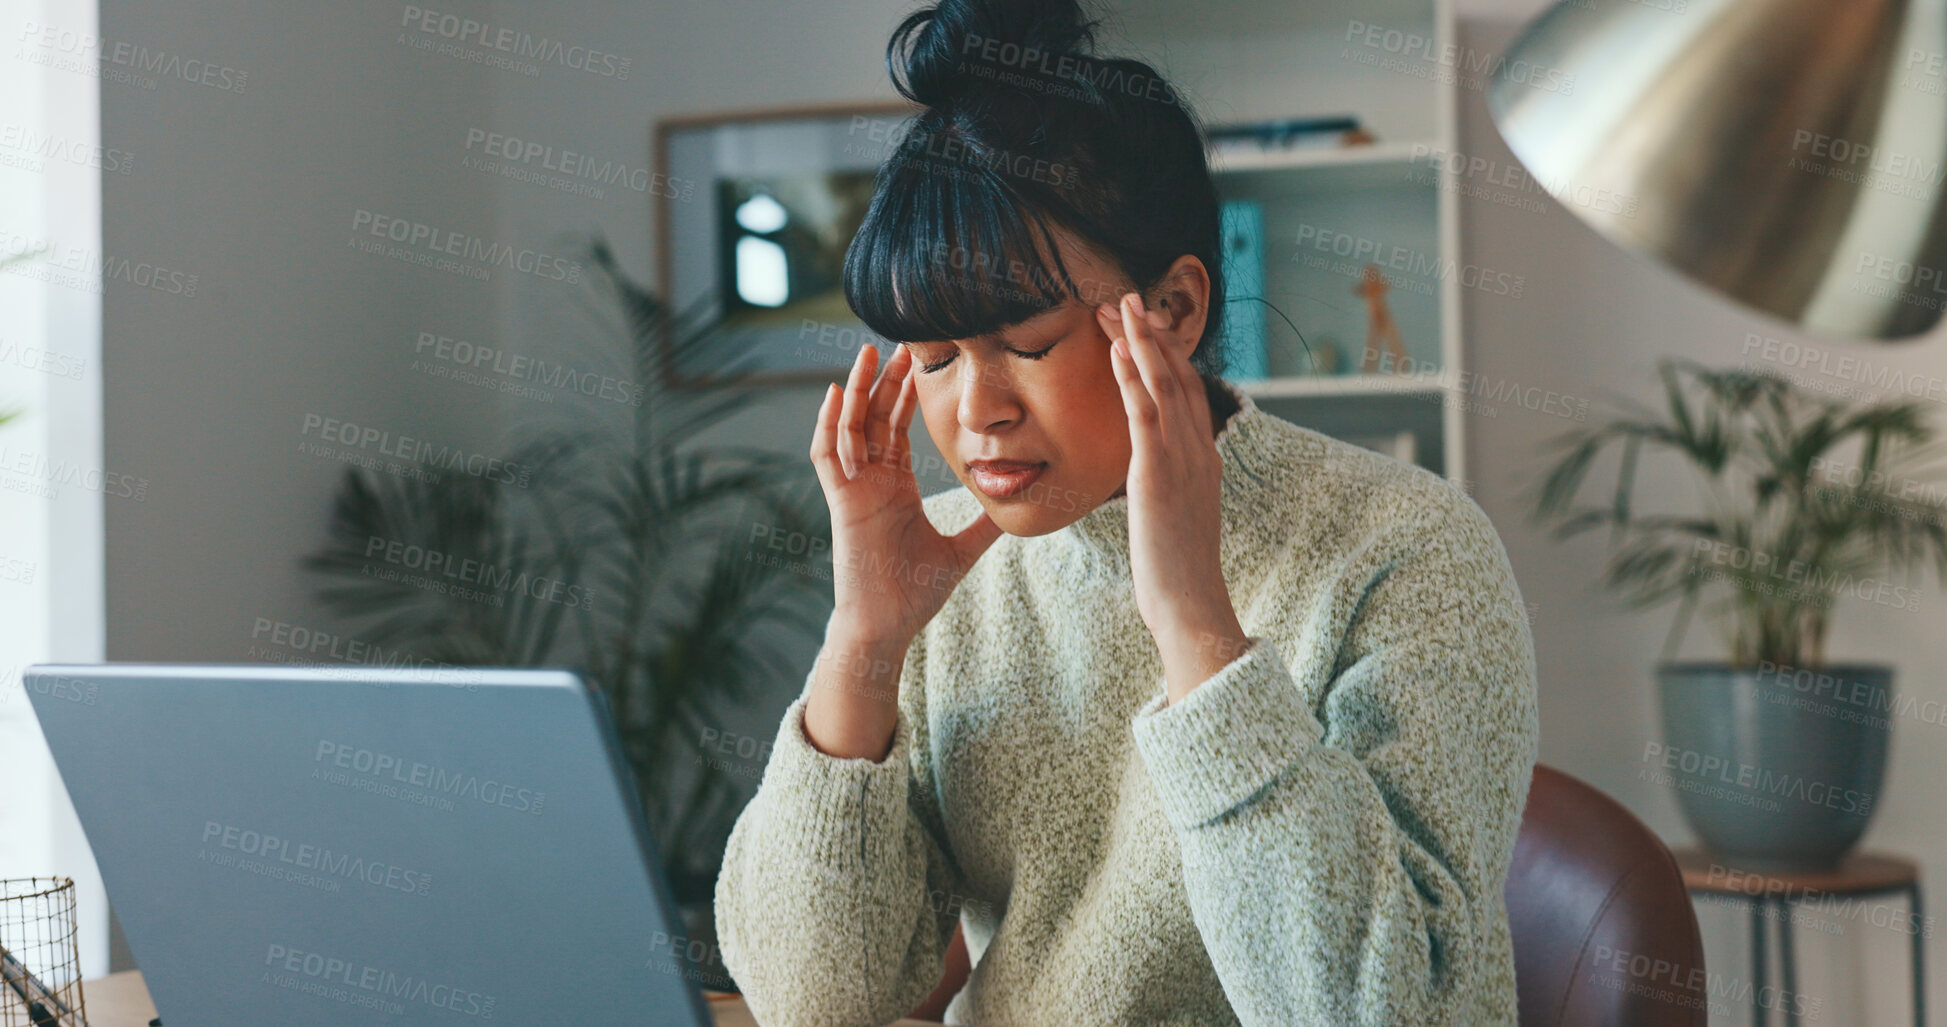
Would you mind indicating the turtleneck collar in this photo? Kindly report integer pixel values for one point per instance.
(1251, 465)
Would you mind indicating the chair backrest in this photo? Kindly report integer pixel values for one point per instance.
(958, 968)
(1604, 932)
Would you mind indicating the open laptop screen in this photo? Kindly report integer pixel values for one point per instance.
(322, 846)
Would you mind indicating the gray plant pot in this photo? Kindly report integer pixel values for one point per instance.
(1776, 768)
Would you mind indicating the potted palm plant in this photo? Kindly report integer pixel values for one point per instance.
(667, 615)
(1776, 754)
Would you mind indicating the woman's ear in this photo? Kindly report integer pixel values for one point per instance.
(1183, 296)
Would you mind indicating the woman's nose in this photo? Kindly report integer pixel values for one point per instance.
(988, 395)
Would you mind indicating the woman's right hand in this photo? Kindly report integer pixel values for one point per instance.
(891, 569)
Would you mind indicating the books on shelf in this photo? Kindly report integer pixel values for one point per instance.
(1242, 230)
(1286, 134)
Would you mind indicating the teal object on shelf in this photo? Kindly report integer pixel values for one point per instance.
(1242, 229)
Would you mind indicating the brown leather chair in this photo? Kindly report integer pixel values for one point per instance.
(1604, 932)
(958, 966)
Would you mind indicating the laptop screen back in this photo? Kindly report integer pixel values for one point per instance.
(323, 846)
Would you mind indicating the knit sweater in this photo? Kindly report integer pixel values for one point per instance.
(1317, 834)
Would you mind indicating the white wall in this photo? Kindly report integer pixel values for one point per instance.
(255, 192)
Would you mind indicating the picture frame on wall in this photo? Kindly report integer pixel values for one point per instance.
(760, 208)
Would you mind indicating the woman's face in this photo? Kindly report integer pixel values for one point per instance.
(1058, 406)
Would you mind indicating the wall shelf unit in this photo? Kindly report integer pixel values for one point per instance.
(1327, 212)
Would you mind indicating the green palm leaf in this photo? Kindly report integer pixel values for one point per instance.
(1764, 455)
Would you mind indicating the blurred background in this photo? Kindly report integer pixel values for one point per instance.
(304, 307)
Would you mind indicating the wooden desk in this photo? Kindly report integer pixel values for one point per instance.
(120, 1000)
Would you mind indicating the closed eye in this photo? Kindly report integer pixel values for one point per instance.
(1036, 355)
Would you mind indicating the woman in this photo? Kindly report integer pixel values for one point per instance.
(1186, 714)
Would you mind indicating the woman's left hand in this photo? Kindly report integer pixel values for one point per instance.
(1175, 497)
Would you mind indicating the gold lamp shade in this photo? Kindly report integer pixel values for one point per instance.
(1789, 154)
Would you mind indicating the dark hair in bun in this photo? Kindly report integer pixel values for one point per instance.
(1024, 128)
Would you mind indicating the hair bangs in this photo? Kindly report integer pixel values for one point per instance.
(950, 252)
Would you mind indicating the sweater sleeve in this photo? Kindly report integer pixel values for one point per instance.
(1342, 863)
(829, 906)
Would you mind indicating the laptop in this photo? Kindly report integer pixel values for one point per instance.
(409, 846)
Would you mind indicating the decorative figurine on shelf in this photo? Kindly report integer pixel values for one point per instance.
(1380, 324)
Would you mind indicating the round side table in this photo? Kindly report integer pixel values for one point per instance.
(1858, 875)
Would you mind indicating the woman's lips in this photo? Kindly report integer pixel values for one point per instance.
(1001, 479)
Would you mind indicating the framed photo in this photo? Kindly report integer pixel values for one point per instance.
(760, 208)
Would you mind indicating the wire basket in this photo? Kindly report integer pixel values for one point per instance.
(40, 963)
